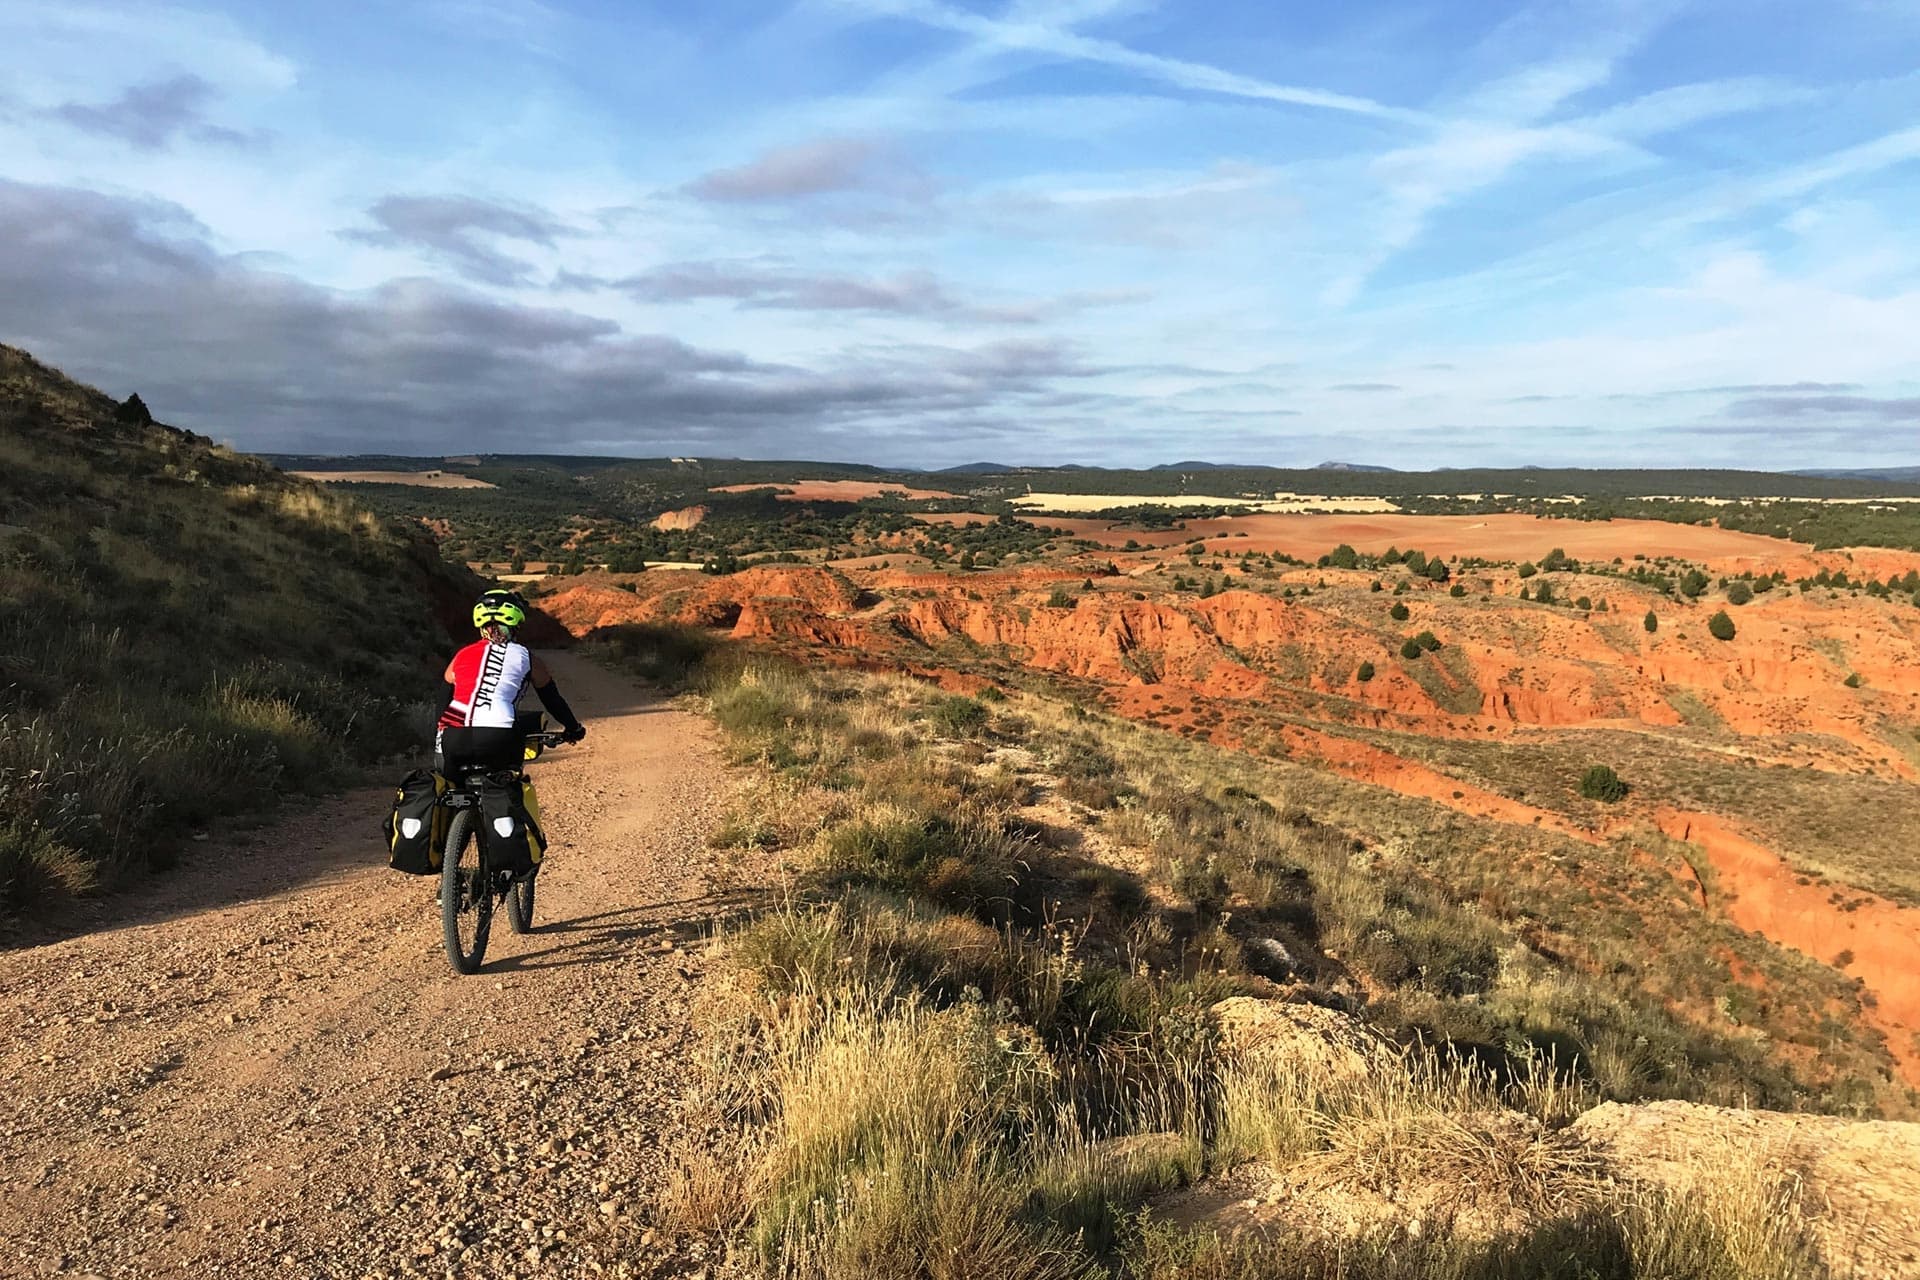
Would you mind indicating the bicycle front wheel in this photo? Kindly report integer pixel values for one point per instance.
(466, 903)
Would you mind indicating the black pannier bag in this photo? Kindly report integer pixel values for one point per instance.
(510, 825)
(416, 830)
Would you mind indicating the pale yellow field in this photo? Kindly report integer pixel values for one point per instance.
(418, 479)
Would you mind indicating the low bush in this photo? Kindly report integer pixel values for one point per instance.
(1601, 783)
(957, 717)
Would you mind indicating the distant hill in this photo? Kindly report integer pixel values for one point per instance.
(1898, 475)
(976, 469)
(1193, 466)
(1352, 466)
(187, 633)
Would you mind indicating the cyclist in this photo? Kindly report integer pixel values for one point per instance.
(489, 675)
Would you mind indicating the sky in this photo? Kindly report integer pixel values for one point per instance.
(930, 232)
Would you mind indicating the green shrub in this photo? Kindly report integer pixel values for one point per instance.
(1739, 593)
(1060, 599)
(1428, 641)
(1601, 783)
(1365, 673)
(1411, 648)
(1458, 590)
(1399, 612)
(1720, 626)
(1651, 622)
(958, 717)
(1854, 681)
(1528, 569)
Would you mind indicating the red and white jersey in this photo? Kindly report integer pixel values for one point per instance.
(487, 680)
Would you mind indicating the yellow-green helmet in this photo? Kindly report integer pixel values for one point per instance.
(500, 608)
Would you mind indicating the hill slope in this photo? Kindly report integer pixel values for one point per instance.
(184, 632)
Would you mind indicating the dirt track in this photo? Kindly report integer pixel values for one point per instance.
(262, 1064)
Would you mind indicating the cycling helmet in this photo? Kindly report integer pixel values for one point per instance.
(500, 608)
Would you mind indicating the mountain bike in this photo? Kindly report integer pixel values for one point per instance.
(469, 887)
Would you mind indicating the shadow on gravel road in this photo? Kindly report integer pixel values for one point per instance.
(306, 842)
(607, 935)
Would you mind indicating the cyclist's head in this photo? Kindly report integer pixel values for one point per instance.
(498, 614)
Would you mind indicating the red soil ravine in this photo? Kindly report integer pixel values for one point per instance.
(1761, 893)
(1364, 762)
(1782, 677)
(1245, 665)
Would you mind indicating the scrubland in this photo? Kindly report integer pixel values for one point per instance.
(984, 1030)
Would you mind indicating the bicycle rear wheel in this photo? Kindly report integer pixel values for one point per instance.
(520, 905)
(466, 900)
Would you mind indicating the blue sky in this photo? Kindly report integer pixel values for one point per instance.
(924, 232)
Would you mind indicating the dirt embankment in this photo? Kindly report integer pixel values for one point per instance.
(263, 1065)
(1875, 940)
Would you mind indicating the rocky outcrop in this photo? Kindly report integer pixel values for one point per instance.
(1845, 1193)
(684, 518)
(1337, 1045)
(1855, 1183)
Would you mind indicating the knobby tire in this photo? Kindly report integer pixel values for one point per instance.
(520, 905)
(477, 914)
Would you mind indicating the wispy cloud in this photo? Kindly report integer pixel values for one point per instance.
(821, 167)
(1036, 35)
(919, 294)
(457, 229)
(1890, 410)
(154, 115)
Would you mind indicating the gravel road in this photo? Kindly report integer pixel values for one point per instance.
(260, 1063)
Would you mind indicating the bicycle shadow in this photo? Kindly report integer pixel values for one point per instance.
(608, 935)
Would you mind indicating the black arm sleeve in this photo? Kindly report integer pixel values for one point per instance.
(556, 705)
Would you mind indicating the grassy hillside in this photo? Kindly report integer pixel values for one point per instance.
(184, 633)
(986, 1022)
